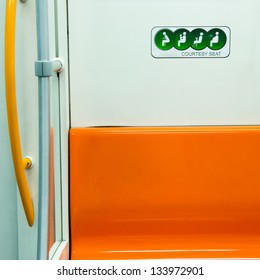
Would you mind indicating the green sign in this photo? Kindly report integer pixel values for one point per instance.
(216, 39)
(164, 39)
(181, 39)
(197, 39)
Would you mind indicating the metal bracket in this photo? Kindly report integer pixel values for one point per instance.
(43, 69)
(46, 68)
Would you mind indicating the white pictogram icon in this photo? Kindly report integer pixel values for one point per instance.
(198, 40)
(214, 39)
(165, 40)
(182, 39)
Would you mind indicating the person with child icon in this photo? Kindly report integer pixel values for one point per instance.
(198, 40)
(182, 39)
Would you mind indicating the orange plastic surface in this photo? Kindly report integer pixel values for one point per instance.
(139, 193)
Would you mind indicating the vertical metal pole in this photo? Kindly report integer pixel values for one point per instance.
(44, 129)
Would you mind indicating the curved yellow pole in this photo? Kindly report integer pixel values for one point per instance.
(19, 163)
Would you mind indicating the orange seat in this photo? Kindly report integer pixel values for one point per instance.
(139, 193)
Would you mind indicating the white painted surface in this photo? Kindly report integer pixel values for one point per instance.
(8, 205)
(114, 80)
(27, 102)
(17, 239)
(60, 124)
(64, 118)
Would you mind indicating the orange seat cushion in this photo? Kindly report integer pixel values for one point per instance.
(165, 192)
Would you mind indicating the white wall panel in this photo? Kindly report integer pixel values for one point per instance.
(114, 80)
(8, 205)
(27, 102)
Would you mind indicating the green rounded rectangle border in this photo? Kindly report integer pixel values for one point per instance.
(191, 42)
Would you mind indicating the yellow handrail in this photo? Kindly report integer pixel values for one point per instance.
(19, 163)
